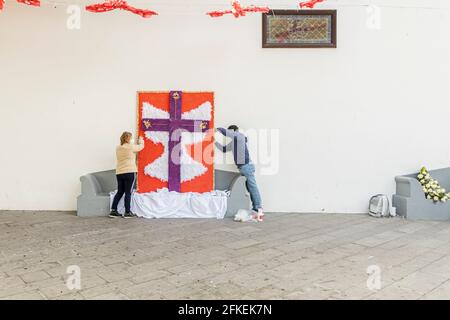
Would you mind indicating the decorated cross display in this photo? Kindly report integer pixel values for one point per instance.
(173, 124)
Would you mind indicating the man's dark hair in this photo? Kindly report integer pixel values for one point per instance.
(233, 127)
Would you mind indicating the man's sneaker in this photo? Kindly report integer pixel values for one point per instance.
(114, 214)
(259, 215)
(129, 215)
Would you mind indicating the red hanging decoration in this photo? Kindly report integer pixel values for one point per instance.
(119, 4)
(310, 4)
(237, 10)
(35, 3)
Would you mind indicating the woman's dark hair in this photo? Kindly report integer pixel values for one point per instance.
(233, 127)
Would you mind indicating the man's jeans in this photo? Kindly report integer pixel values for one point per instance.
(248, 171)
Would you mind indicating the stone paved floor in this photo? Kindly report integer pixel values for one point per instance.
(290, 256)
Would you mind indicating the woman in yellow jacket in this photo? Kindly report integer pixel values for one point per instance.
(126, 173)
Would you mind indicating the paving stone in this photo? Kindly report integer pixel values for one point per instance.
(188, 276)
(422, 282)
(11, 286)
(111, 296)
(395, 292)
(106, 288)
(148, 289)
(69, 296)
(35, 276)
(31, 295)
(439, 267)
(31, 268)
(241, 244)
(150, 275)
(442, 292)
(61, 288)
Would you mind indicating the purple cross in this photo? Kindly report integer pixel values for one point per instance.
(175, 126)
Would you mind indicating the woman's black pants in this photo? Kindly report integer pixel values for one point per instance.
(125, 184)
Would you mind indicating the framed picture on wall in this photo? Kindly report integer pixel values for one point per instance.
(299, 29)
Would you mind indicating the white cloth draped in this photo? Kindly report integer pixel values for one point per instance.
(165, 204)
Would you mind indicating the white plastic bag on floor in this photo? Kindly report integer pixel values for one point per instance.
(244, 216)
(379, 206)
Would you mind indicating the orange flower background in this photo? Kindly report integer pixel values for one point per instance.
(202, 152)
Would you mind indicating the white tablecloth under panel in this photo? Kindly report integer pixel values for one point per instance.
(165, 204)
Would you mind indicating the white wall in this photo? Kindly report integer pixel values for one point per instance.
(350, 118)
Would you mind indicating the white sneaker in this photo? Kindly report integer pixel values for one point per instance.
(259, 216)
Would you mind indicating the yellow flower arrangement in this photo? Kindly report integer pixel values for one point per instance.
(431, 188)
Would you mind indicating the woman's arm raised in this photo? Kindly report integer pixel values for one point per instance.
(139, 146)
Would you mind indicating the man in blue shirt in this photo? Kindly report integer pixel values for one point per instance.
(241, 156)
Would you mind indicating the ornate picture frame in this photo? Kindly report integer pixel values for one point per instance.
(299, 29)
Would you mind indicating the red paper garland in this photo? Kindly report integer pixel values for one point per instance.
(310, 4)
(238, 10)
(119, 4)
(35, 3)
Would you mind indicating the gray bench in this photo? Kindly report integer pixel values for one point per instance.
(95, 188)
(410, 202)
